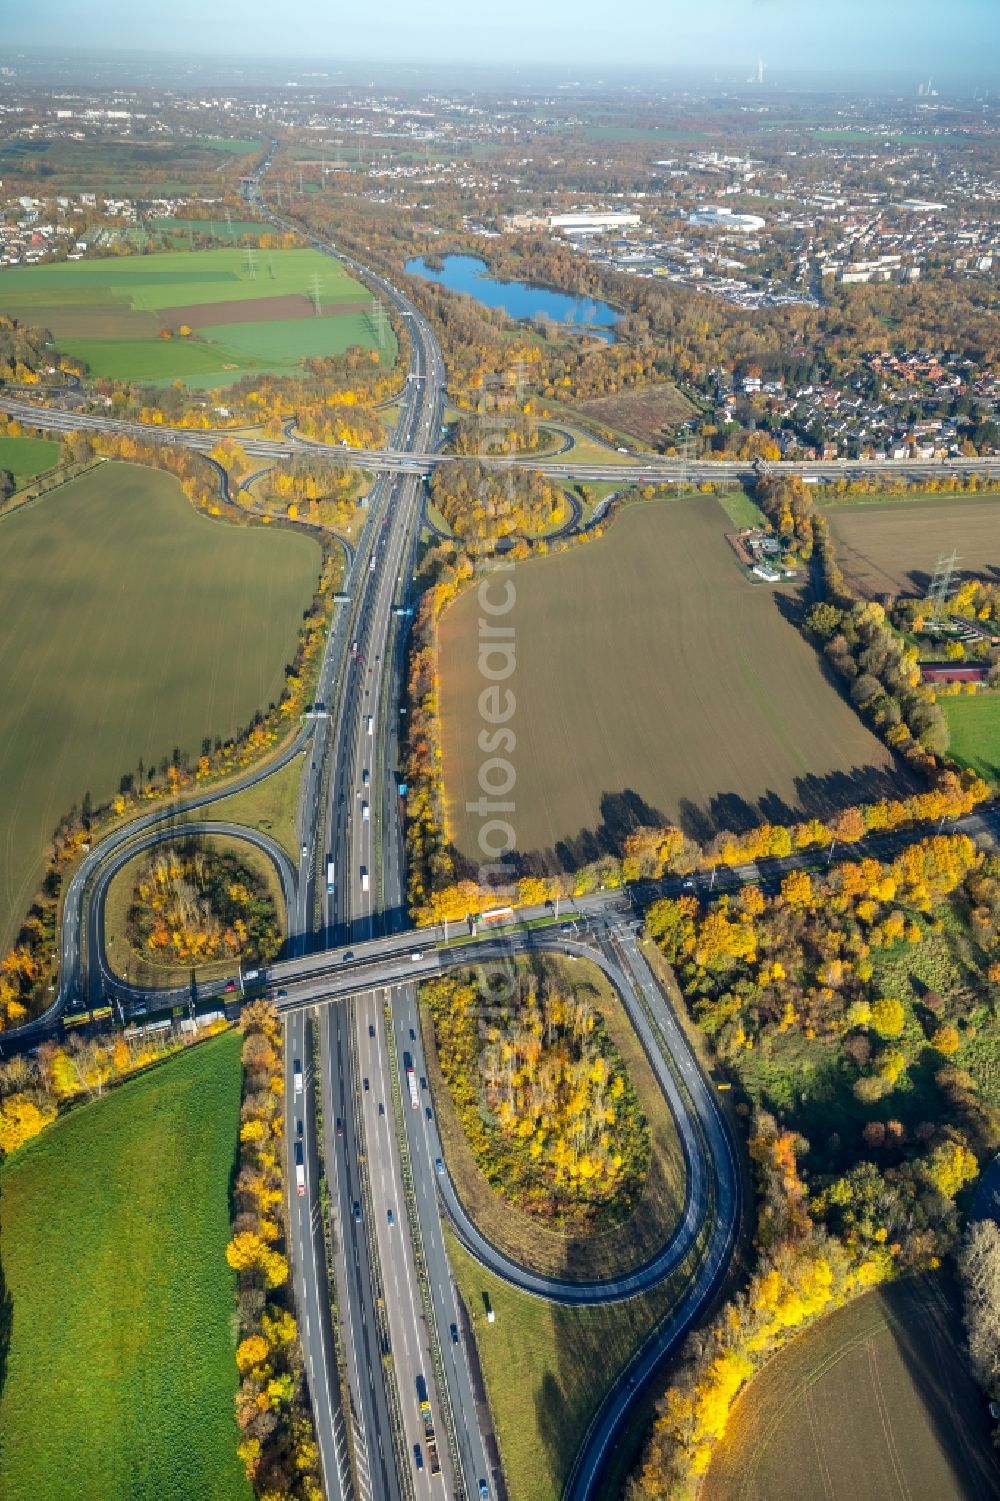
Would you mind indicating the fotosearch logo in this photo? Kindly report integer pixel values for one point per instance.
(497, 662)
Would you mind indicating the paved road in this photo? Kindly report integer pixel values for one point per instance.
(637, 468)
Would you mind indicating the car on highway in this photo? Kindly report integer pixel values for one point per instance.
(340, 1126)
(357, 1212)
(439, 1166)
(418, 1458)
(371, 1029)
(484, 1491)
(416, 955)
(367, 1085)
(390, 1218)
(381, 1108)
(282, 995)
(230, 986)
(298, 1128)
(454, 1334)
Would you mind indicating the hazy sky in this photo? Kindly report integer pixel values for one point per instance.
(895, 36)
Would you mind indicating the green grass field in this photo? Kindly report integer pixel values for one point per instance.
(108, 313)
(975, 733)
(227, 146)
(875, 1401)
(131, 624)
(121, 1369)
(157, 360)
(222, 228)
(24, 457)
(182, 279)
(651, 681)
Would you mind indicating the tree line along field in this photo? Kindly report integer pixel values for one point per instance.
(891, 546)
(875, 1400)
(121, 1369)
(132, 625)
(245, 311)
(652, 681)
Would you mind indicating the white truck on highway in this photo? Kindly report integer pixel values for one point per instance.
(369, 724)
(411, 1081)
(300, 1171)
(365, 813)
(364, 878)
(329, 877)
(297, 1076)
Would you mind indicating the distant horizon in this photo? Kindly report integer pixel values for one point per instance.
(56, 64)
(957, 42)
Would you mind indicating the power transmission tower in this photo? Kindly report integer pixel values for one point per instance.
(942, 585)
(250, 264)
(686, 447)
(378, 321)
(316, 294)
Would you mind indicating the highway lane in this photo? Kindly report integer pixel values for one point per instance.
(370, 1261)
(409, 1335)
(364, 1345)
(478, 1458)
(635, 467)
(308, 1258)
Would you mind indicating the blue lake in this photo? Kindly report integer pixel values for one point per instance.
(465, 273)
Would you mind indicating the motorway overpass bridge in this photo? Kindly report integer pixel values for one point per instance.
(631, 468)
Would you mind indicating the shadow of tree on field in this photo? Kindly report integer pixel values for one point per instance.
(6, 1313)
(927, 1330)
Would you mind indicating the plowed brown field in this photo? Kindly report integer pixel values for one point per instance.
(892, 547)
(652, 681)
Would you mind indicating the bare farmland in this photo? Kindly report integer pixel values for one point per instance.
(891, 547)
(652, 681)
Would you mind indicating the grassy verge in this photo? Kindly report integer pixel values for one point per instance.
(121, 1368)
(145, 971)
(271, 807)
(547, 1369)
(525, 1237)
(740, 509)
(586, 451)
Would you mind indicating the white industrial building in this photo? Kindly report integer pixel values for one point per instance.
(594, 224)
(716, 217)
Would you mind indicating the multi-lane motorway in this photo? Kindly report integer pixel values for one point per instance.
(383, 1333)
(632, 468)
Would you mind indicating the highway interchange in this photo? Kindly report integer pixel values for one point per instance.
(381, 1323)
